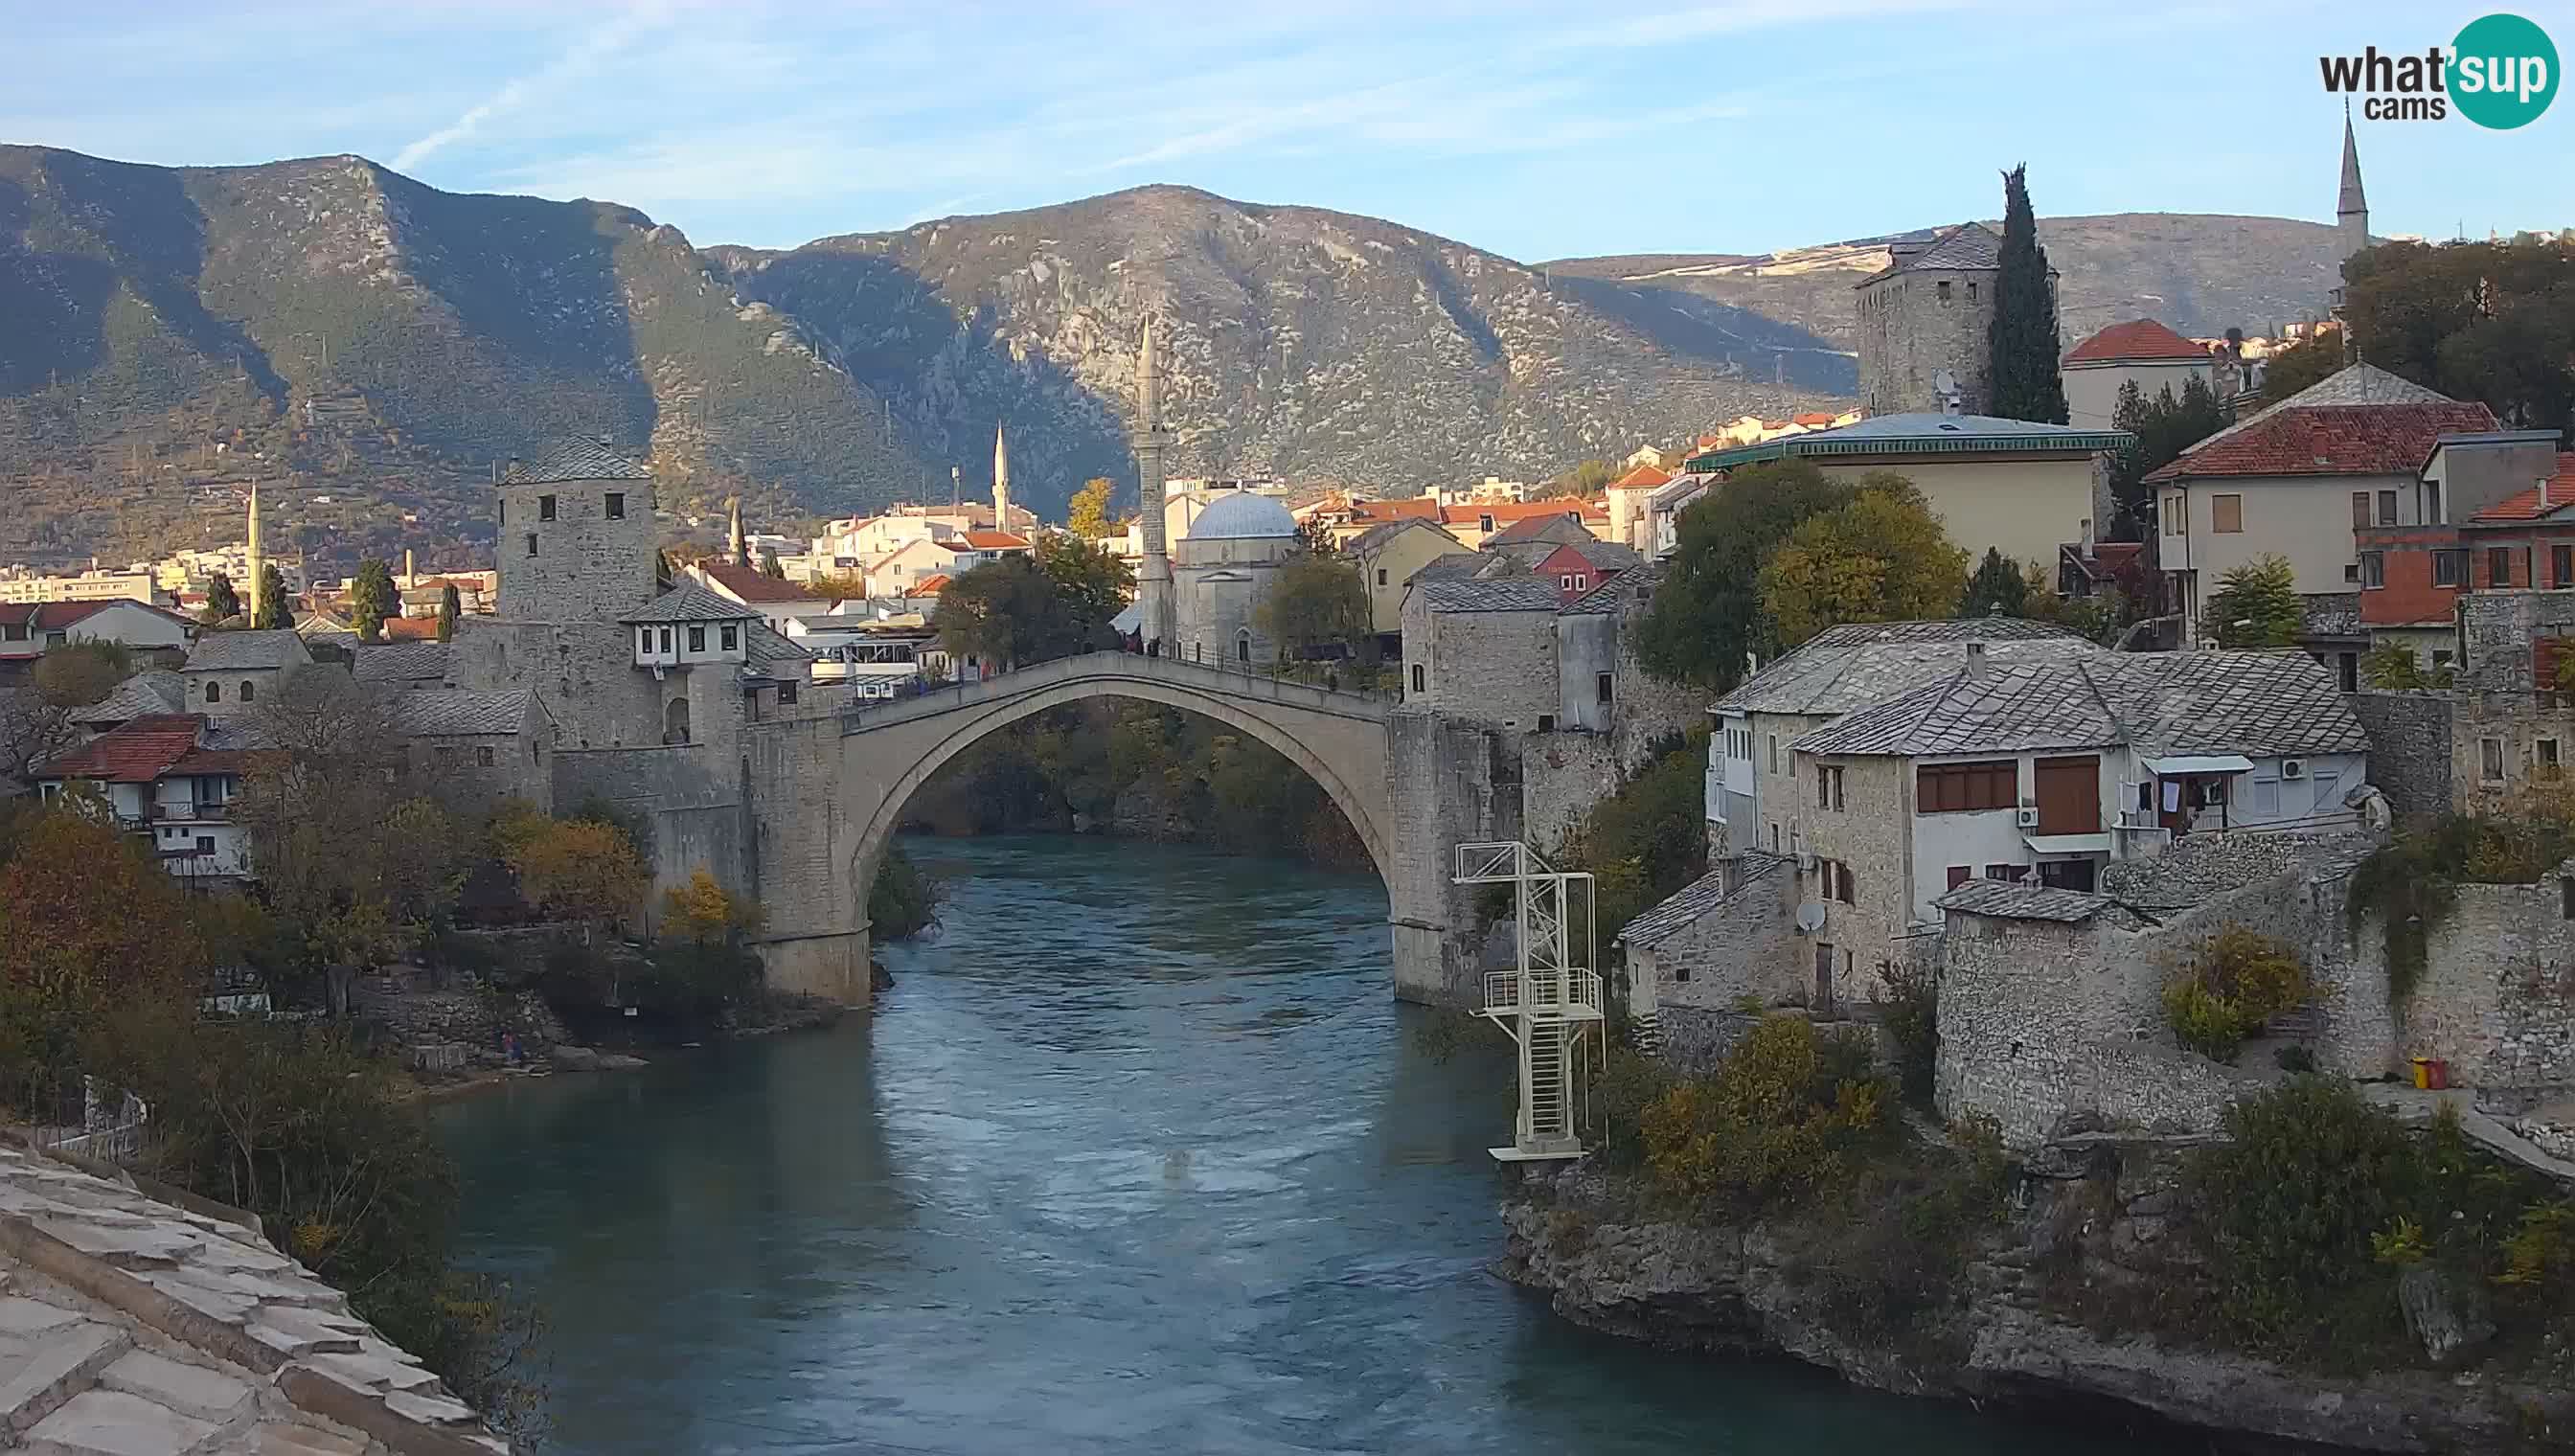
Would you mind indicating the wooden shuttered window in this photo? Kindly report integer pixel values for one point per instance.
(1958, 788)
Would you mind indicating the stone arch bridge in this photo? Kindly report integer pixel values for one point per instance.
(831, 791)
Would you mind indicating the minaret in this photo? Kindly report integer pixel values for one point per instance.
(1000, 480)
(2351, 226)
(1154, 581)
(250, 554)
(736, 545)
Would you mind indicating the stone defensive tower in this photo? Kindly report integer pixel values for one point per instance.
(1925, 321)
(576, 537)
(1158, 610)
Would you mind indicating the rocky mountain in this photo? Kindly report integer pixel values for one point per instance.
(2200, 272)
(371, 347)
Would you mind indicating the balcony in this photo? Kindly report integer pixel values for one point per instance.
(1574, 998)
(194, 813)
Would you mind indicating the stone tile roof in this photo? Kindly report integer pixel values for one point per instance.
(769, 650)
(1696, 899)
(1385, 530)
(575, 459)
(138, 1327)
(2259, 705)
(2138, 339)
(1540, 528)
(2537, 502)
(399, 661)
(1967, 246)
(689, 601)
(1506, 594)
(230, 651)
(440, 712)
(1451, 566)
(1633, 586)
(1854, 665)
(2023, 902)
(154, 690)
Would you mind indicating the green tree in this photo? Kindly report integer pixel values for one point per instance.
(768, 566)
(2165, 425)
(1998, 588)
(448, 606)
(371, 599)
(1315, 602)
(1589, 477)
(276, 607)
(2023, 343)
(2257, 605)
(78, 674)
(222, 603)
(1706, 622)
(1088, 516)
(1091, 586)
(2301, 366)
(1880, 558)
(1014, 610)
(2475, 320)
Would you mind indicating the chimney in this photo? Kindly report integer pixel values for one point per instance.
(1975, 659)
(2543, 494)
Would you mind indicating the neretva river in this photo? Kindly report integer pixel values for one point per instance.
(1139, 1156)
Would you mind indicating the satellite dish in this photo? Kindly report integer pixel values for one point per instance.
(1944, 382)
(1810, 917)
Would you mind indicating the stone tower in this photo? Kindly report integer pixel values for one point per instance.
(577, 540)
(1925, 324)
(1154, 581)
(251, 558)
(1000, 480)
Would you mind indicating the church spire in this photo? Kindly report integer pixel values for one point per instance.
(1000, 480)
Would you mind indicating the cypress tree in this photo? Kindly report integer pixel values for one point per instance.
(448, 605)
(2025, 381)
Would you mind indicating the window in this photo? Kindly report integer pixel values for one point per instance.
(617, 504)
(484, 756)
(1833, 882)
(2176, 516)
(2387, 507)
(732, 637)
(1581, 583)
(2360, 509)
(2226, 513)
(1242, 646)
(2490, 760)
(1381, 576)
(1418, 674)
(1959, 787)
(532, 542)
(1971, 289)
(1774, 751)
(697, 638)
(1959, 874)
(205, 843)
(1547, 722)
(2373, 570)
(2349, 666)
(1828, 786)
(2431, 503)
(1564, 582)
(1602, 684)
(2002, 871)
(2499, 566)
(2265, 798)
(2561, 566)
(787, 693)
(666, 640)
(1944, 290)
(545, 507)
(249, 690)
(2351, 570)
(642, 638)
(2449, 568)
(1485, 522)
(214, 692)
(2543, 757)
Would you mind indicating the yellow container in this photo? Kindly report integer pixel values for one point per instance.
(2423, 1072)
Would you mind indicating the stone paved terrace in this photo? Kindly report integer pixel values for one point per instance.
(136, 1327)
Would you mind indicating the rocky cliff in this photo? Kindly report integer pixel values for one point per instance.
(2045, 1313)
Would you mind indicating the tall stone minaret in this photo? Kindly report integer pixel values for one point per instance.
(1000, 480)
(251, 558)
(1154, 581)
(2351, 209)
(737, 546)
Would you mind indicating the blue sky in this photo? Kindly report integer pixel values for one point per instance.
(1537, 131)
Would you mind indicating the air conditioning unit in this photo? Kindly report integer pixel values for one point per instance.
(2028, 816)
(2293, 767)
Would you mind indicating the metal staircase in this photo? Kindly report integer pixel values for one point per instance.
(1549, 1002)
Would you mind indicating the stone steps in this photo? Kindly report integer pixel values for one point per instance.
(49, 1356)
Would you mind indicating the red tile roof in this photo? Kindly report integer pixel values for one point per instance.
(1506, 512)
(1642, 477)
(748, 586)
(929, 586)
(411, 629)
(1814, 421)
(1411, 507)
(138, 752)
(996, 539)
(2330, 440)
(2135, 339)
(2559, 494)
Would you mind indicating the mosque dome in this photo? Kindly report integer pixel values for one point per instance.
(1242, 515)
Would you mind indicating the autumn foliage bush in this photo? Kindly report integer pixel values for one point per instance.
(1784, 1115)
(2237, 984)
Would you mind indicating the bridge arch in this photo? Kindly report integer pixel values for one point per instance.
(1338, 738)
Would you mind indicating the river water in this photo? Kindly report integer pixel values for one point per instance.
(1138, 1157)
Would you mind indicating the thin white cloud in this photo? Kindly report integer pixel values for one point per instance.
(584, 56)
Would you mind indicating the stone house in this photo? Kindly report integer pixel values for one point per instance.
(1482, 651)
(1388, 554)
(2511, 727)
(2022, 488)
(2302, 479)
(473, 749)
(227, 673)
(2141, 352)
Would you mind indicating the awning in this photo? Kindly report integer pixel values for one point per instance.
(2067, 844)
(2188, 763)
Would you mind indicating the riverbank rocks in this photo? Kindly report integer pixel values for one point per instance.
(131, 1326)
(2093, 1224)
